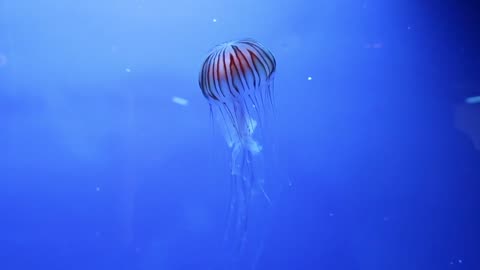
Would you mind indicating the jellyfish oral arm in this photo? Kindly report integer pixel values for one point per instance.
(240, 136)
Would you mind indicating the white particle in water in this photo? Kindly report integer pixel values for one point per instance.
(473, 100)
(309, 78)
(128, 70)
(180, 101)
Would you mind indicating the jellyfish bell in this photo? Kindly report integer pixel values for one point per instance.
(237, 80)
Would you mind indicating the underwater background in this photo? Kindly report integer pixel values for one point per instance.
(109, 159)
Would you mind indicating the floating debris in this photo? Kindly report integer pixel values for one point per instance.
(473, 100)
(309, 78)
(459, 261)
(128, 70)
(180, 101)
(214, 20)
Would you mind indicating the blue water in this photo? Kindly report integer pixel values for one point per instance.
(109, 159)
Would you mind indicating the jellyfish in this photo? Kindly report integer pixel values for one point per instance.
(236, 79)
